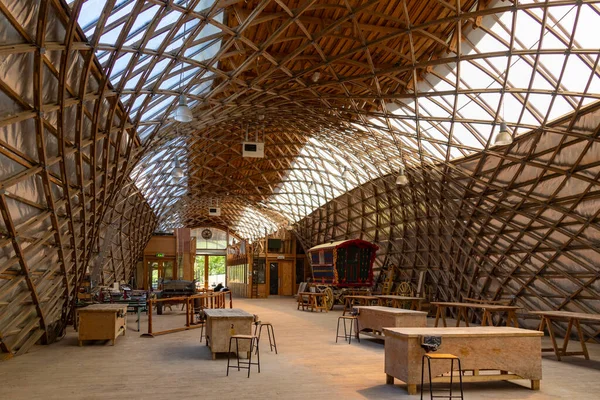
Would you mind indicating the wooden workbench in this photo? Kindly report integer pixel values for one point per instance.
(505, 353)
(351, 300)
(573, 318)
(219, 325)
(397, 301)
(372, 319)
(488, 309)
(102, 322)
(314, 301)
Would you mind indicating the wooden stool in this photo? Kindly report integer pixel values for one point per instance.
(258, 325)
(435, 356)
(347, 335)
(244, 364)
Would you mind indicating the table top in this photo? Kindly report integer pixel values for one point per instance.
(360, 297)
(312, 293)
(390, 310)
(492, 307)
(393, 297)
(104, 308)
(567, 315)
(226, 313)
(463, 331)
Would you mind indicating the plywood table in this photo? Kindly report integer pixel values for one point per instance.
(314, 301)
(222, 323)
(397, 301)
(488, 309)
(375, 318)
(573, 318)
(102, 322)
(351, 300)
(487, 353)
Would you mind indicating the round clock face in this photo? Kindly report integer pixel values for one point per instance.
(206, 234)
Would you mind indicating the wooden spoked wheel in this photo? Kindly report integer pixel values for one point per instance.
(404, 289)
(329, 298)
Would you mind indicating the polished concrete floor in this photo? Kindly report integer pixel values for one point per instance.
(309, 366)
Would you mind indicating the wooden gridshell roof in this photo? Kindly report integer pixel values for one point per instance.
(343, 93)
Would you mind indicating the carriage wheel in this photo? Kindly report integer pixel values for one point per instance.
(329, 298)
(404, 289)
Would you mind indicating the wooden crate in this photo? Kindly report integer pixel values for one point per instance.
(102, 322)
(219, 325)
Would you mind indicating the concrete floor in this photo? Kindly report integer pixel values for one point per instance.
(310, 365)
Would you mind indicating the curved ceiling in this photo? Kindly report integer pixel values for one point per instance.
(341, 92)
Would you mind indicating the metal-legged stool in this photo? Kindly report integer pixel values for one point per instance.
(450, 357)
(347, 335)
(258, 325)
(201, 319)
(244, 364)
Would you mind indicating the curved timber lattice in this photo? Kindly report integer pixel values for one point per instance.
(343, 93)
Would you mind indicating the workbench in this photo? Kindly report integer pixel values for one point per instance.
(487, 353)
(374, 318)
(222, 323)
(488, 309)
(573, 319)
(397, 301)
(351, 300)
(314, 301)
(102, 322)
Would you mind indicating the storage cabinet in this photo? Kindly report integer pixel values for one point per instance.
(102, 322)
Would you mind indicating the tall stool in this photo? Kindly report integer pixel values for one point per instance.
(244, 364)
(347, 335)
(258, 325)
(436, 356)
(201, 319)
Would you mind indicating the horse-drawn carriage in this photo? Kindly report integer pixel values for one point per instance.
(341, 268)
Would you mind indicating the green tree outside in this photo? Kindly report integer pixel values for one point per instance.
(216, 266)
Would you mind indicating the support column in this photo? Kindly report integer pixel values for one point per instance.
(205, 272)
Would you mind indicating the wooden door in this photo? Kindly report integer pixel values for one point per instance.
(273, 278)
(286, 279)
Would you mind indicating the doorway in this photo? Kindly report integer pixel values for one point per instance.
(210, 270)
(274, 278)
(280, 278)
(160, 270)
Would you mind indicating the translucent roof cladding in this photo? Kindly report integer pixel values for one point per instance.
(548, 73)
(147, 64)
(322, 171)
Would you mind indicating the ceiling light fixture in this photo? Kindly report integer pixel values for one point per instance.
(177, 172)
(346, 174)
(183, 112)
(315, 77)
(401, 179)
(504, 137)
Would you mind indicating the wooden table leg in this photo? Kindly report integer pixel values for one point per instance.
(346, 304)
(512, 317)
(458, 315)
(487, 319)
(553, 338)
(582, 340)
(389, 379)
(437, 315)
(412, 389)
(535, 384)
(567, 336)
